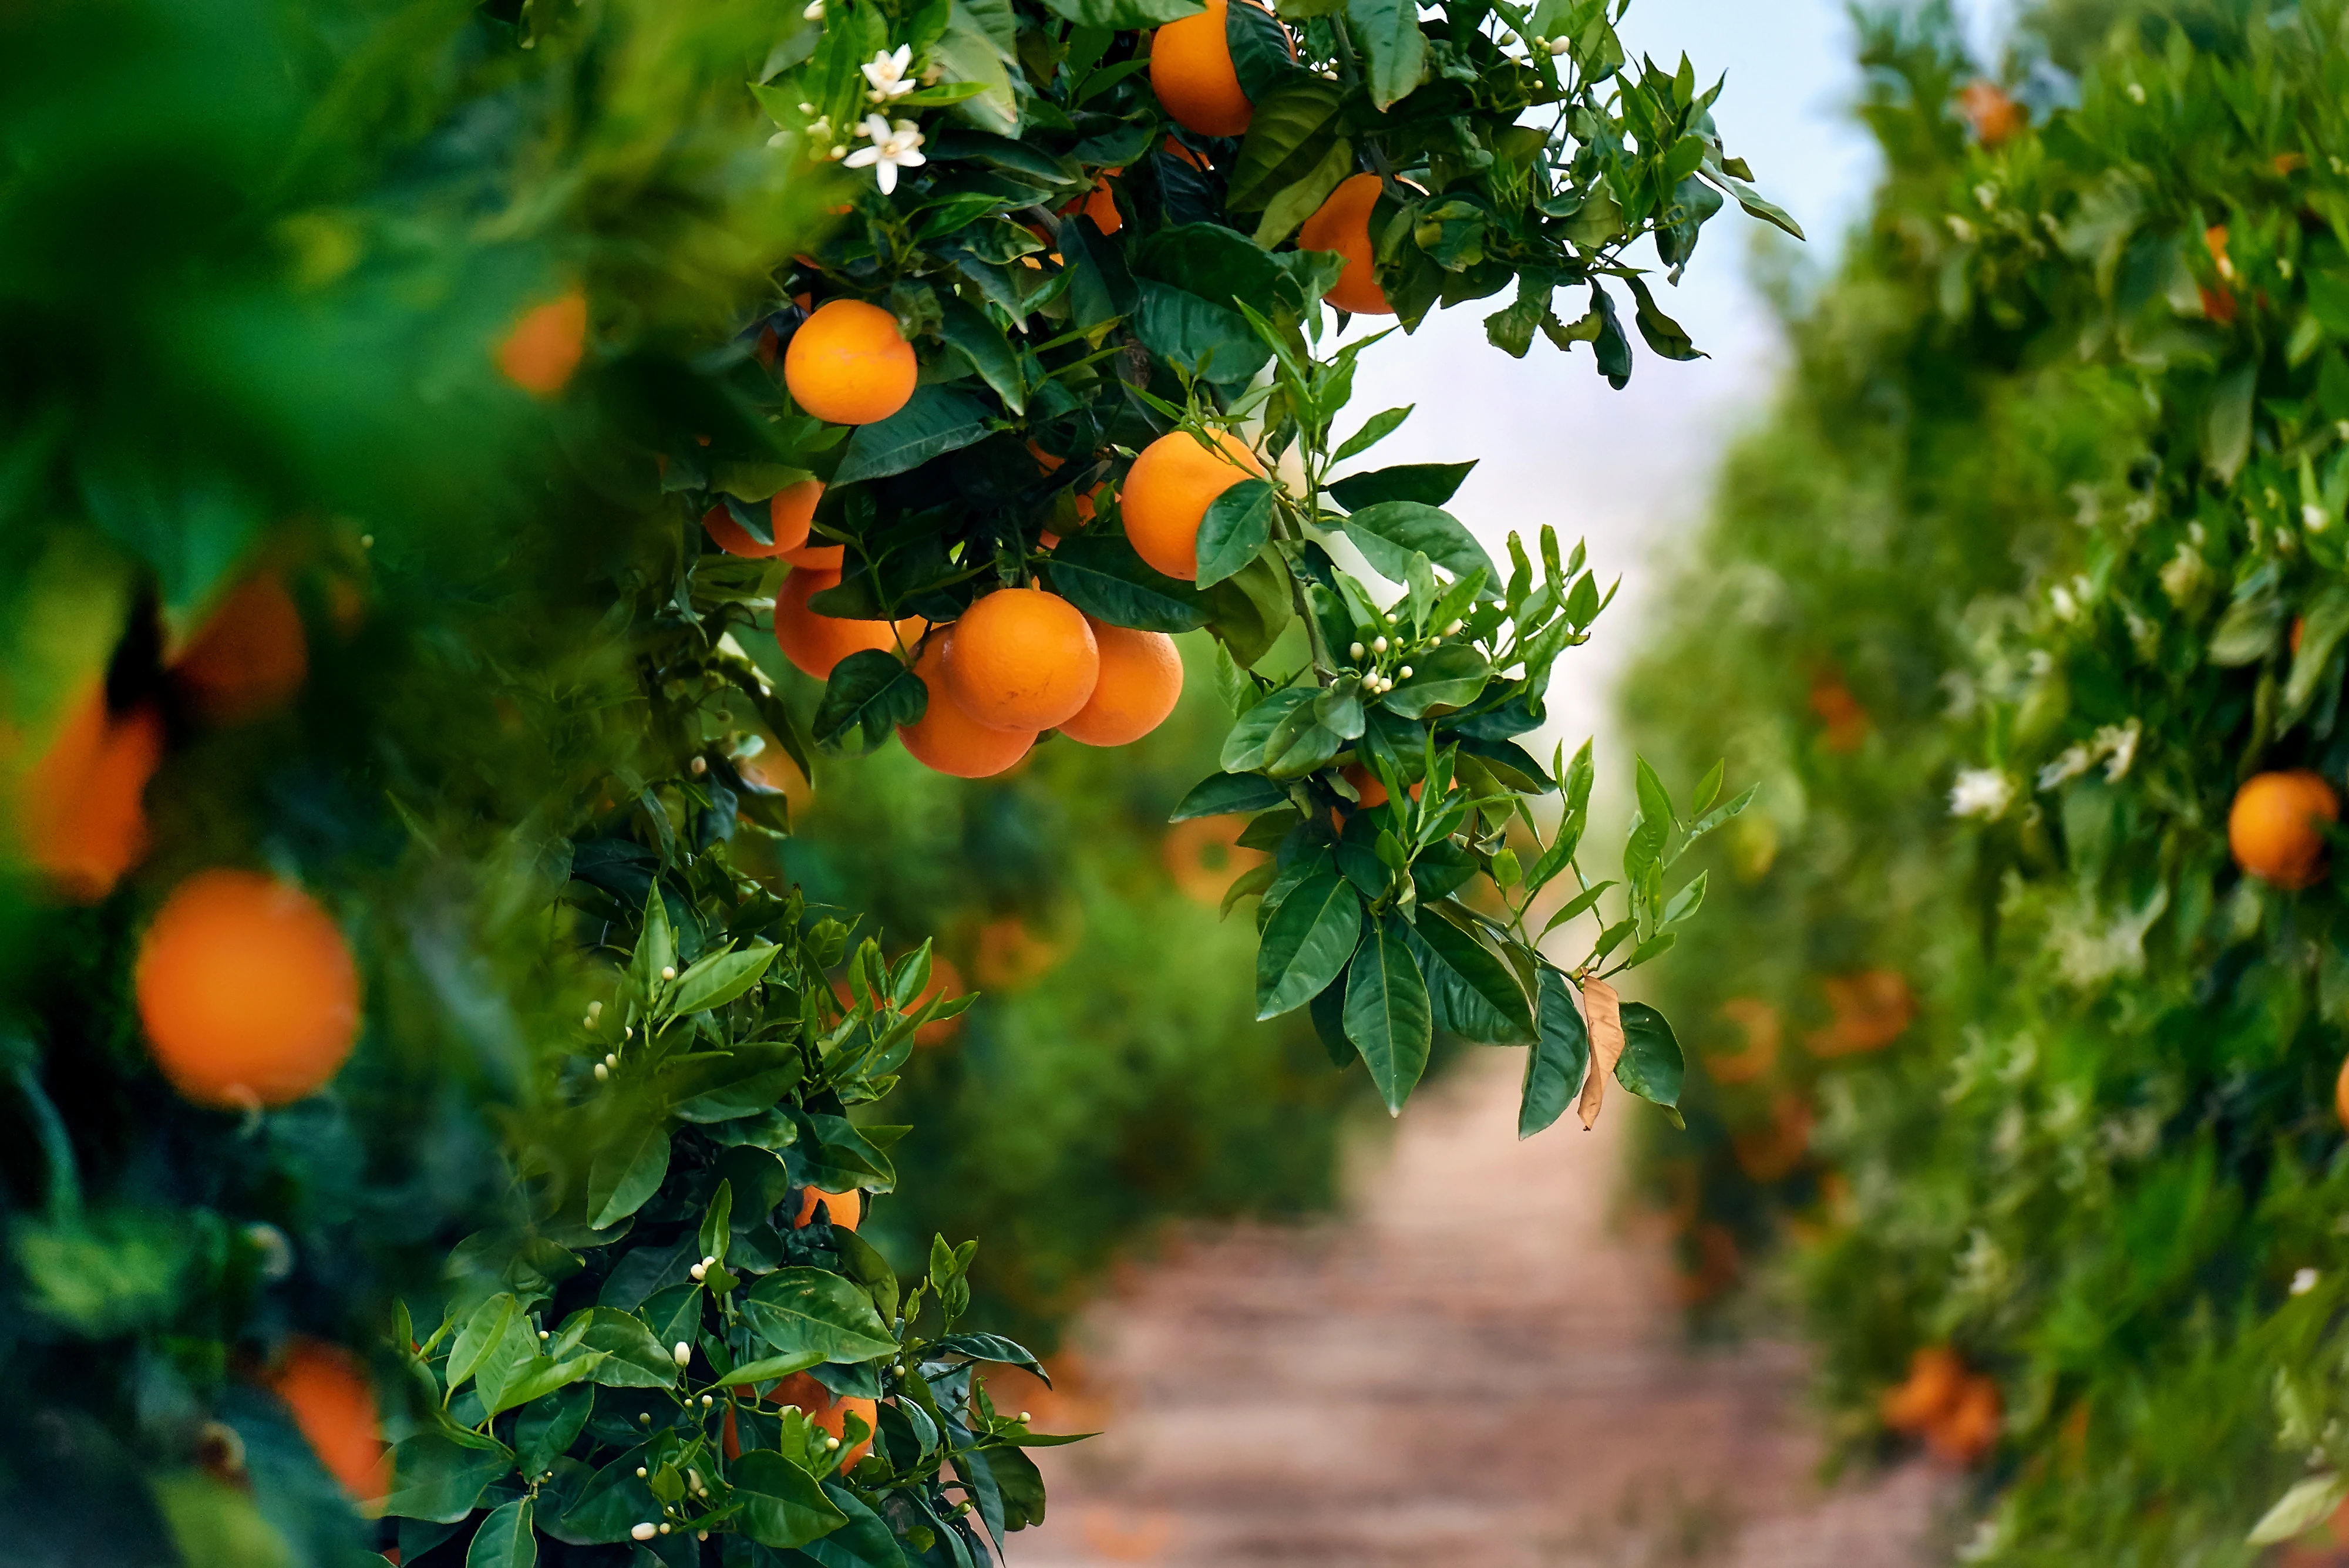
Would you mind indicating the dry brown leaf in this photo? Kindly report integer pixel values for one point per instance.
(1605, 1012)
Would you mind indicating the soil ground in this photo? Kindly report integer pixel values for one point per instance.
(1471, 1365)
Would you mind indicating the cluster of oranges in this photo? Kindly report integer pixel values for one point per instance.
(1955, 1411)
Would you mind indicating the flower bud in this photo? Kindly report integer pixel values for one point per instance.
(830, 1443)
(1404, 672)
(684, 1352)
(640, 1473)
(697, 1271)
(1378, 645)
(644, 1531)
(602, 1072)
(1454, 629)
(700, 765)
(1355, 651)
(669, 971)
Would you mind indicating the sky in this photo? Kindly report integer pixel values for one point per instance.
(1630, 471)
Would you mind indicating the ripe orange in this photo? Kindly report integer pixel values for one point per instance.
(1191, 71)
(948, 741)
(1021, 659)
(1936, 1377)
(333, 1405)
(1084, 503)
(1203, 856)
(1174, 148)
(817, 642)
(545, 345)
(1169, 489)
(81, 818)
(1011, 956)
(1141, 678)
(247, 990)
(2341, 1094)
(829, 1412)
(1343, 225)
(788, 511)
(818, 557)
(1970, 1429)
(251, 656)
(2272, 830)
(1996, 118)
(1099, 204)
(846, 1209)
(849, 364)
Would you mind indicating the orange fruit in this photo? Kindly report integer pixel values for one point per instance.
(1996, 118)
(1174, 148)
(817, 557)
(1191, 71)
(817, 642)
(1367, 784)
(1342, 225)
(1169, 489)
(1021, 659)
(247, 990)
(1141, 678)
(1052, 464)
(849, 364)
(2341, 1095)
(846, 1209)
(1936, 1378)
(1011, 956)
(251, 656)
(2271, 827)
(333, 1406)
(948, 741)
(1970, 1429)
(545, 345)
(1099, 204)
(81, 817)
(788, 511)
(1203, 856)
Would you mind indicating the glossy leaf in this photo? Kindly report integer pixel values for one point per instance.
(1387, 1013)
(783, 1505)
(801, 1309)
(1558, 1059)
(1308, 940)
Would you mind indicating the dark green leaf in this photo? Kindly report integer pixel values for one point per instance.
(1652, 1065)
(1236, 526)
(625, 1173)
(1198, 335)
(1450, 675)
(800, 1309)
(1125, 16)
(435, 1477)
(1472, 991)
(1390, 34)
(1288, 133)
(505, 1539)
(1100, 574)
(783, 1505)
(1223, 795)
(935, 422)
(720, 979)
(1429, 484)
(1308, 941)
(1556, 1065)
(633, 1358)
(870, 693)
(1387, 1012)
(982, 342)
(1389, 533)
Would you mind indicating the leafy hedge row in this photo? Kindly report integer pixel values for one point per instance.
(2038, 561)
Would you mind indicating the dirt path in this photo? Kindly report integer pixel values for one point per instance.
(1470, 1368)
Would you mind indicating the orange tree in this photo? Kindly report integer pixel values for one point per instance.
(387, 991)
(2041, 1057)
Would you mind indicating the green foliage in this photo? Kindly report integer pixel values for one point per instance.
(1999, 607)
(1046, 325)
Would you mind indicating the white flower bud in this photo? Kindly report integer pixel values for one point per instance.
(640, 1473)
(587, 1022)
(1355, 651)
(700, 765)
(1023, 1417)
(543, 1333)
(1391, 619)
(1559, 45)
(830, 1443)
(807, 108)
(709, 1260)
(1454, 629)
(594, 1010)
(1379, 645)
(644, 1531)
(611, 1058)
(664, 1527)
(684, 1352)
(708, 1401)
(627, 1033)
(1372, 680)
(1404, 672)
(814, 13)
(701, 1535)
(602, 1072)
(644, 1418)
(697, 1271)
(366, 541)
(693, 1480)
(669, 971)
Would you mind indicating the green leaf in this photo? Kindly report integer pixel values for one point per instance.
(1376, 429)
(1663, 334)
(1389, 533)
(865, 1541)
(1197, 335)
(870, 693)
(935, 422)
(505, 1539)
(783, 1505)
(1213, 262)
(1652, 1065)
(1390, 34)
(484, 1328)
(633, 1357)
(1429, 484)
(1100, 574)
(537, 1377)
(1301, 199)
(626, 1172)
(1125, 16)
(981, 341)
(801, 1309)
(1244, 748)
(1249, 610)
(768, 1369)
(614, 1501)
(1387, 1014)
(1236, 526)
(1450, 675)
(1225, 795)
(1288, 133)
(2226, 423)
(1556, 1065)
(435, 1477)
(1473, 994)
(1308, 941)
(549, 1424)
(720, 979)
